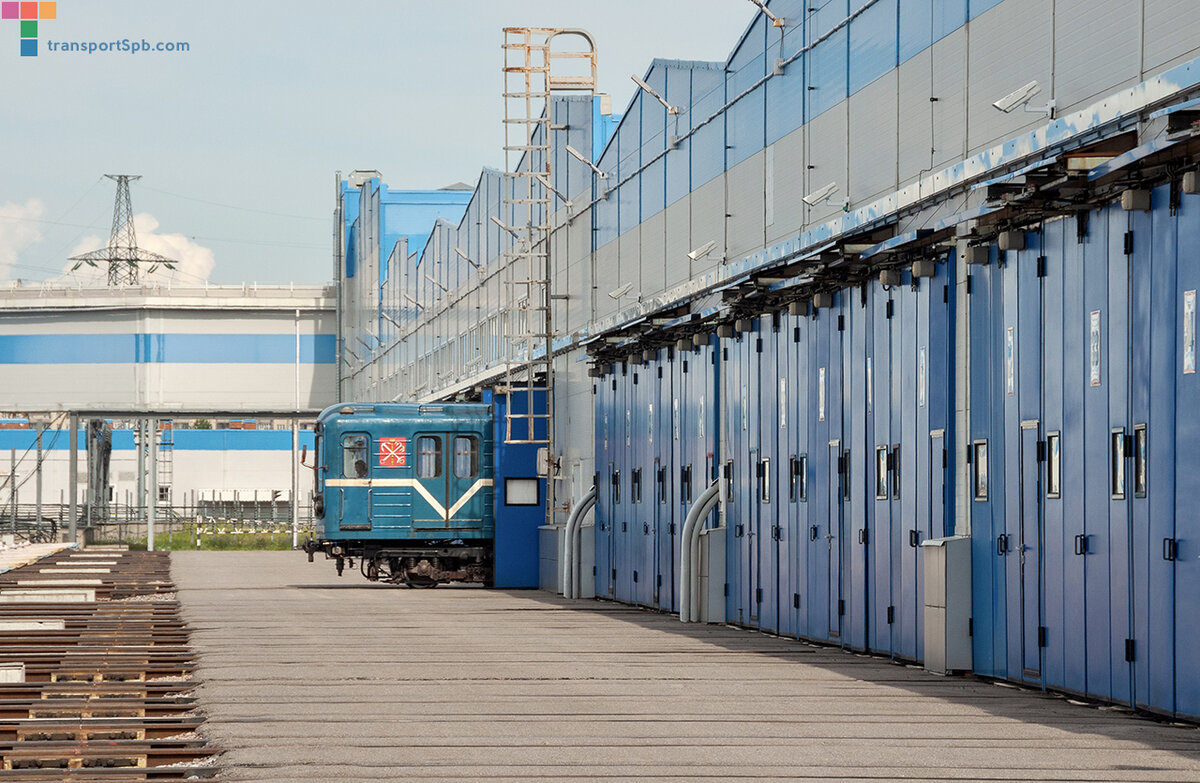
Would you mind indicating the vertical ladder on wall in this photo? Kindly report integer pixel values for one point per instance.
(530, 76)
(166, 457)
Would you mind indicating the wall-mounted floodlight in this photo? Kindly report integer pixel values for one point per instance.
(702, 251)
(414, 302)
(511, 231)
(435, 282)
(577, 155)
(775, 20)
(393, 321)
(546, 184)
(465, 257)
(352, 353)
(617, 294)
(821, 194)
(653, 94)
(1020, 98)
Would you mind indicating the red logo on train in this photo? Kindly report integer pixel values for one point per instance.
(393, 452)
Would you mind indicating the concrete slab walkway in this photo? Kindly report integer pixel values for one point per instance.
(311, 677)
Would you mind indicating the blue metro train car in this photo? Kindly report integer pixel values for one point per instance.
(409, 491)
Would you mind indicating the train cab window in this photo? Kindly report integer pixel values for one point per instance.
(354, 456)
(429, 456)
(466, 456)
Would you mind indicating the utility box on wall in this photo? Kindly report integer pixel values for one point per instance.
(947, 604)
(712, 575)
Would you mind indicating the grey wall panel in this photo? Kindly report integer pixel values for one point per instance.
(677, 227)
(788, 209)
(579, 243)
(630, 265)
(949, 67)
(746, 206)
(1010, 46)
(608, 276)
(1172, 31)
(653, 249)
(1096, 49)
(827, 155)
(873, 127)
(915, 114)
(708, 223)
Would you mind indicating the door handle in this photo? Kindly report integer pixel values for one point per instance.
(914, 538)
(1170, 549)
(1081, 544)
(1001, 544)
(862, 536)
(812, 533)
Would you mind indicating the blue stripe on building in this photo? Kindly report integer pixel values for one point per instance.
(184, 440)
(167, 349)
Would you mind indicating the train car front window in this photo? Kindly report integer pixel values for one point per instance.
(466, 456)
(354, 456)
(429, 456)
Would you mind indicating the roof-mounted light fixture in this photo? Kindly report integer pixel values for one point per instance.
(622, 291)
(654, 94)
(509, 229)
(414, 302)
(546, 184)
(577, 155)
(466, 257)
(435, 282)
(777, 21)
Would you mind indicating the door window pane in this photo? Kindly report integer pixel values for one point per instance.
(354, 456)
(979, 462)
(1053, 465)
(429, 456)
(466, 456)
(1118, 464)
(881, 473)
(1140, 460)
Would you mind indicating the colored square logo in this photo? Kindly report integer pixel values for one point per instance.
(10, 10)
(29, 47)
(29, 28)
(29, 10)
(393, 452)
(47, 10)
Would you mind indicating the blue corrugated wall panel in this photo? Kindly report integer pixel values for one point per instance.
(873, 44)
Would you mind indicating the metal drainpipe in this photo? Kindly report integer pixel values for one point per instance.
(689, 555)
(573, 552)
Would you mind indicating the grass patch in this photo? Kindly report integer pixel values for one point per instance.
(186, 540)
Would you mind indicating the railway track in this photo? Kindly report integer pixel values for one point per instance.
(100, 672)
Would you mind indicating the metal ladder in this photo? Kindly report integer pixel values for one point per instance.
(527, 317)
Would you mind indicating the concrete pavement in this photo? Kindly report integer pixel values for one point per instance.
(311, 677)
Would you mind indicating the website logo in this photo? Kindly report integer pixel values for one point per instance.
(27, 16)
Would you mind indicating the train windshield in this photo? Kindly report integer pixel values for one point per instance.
(354, 456)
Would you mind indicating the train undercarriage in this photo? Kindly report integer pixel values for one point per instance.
(416, 564)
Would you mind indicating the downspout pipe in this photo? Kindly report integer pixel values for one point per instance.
(689, 555)
(572, 551)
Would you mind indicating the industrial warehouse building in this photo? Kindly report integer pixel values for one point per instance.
(909, 282)
(254, 363)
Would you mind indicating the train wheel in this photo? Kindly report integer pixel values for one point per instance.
(422, 582)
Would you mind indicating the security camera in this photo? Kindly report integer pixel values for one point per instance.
(702, 251)
(617, 294)
(821, 194)
(1018, 98)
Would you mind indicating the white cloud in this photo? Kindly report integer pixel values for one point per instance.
(194, 263)
(19, 229)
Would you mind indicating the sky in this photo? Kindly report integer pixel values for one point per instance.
(238, 139)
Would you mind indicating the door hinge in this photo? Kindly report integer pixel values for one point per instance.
(891, 615)
(945, 294)
(614, 576)
(1129, 650)
(1129, 243)
(659, 581)
(943, 458)
(969, 277)
(841, 323)
(1041, 451)
(1041, 636)
(635, 576)
(796, 334)
(725, 590)
(891, 308)
(841, 607)
(970, 626)
(1041, 266)
(758, 345)
(795, 600)
(758, 596)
